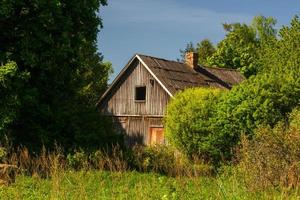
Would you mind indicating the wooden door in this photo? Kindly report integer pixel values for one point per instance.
(156, 135)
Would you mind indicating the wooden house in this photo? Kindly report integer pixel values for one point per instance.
(138, 97)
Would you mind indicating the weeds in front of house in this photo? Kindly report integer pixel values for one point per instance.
(157, 159)
(265, 168)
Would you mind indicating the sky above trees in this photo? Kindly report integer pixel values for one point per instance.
(161, 28)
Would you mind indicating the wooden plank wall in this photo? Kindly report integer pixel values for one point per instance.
(121, 99)
(136, 129)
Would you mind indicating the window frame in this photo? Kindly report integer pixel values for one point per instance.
(135, 93)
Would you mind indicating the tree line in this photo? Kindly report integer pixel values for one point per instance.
(241, 47)
(211, 122)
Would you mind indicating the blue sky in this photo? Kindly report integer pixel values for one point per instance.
(162, 27)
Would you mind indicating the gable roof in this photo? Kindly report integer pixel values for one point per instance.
(175, 76)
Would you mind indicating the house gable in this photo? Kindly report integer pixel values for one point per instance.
(120, 100)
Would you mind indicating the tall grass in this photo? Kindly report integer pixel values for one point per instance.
(272, 159)
(158, 159)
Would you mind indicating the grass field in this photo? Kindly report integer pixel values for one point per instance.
(133, 185)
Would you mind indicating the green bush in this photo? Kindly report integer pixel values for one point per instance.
(188, 122)
(154, 158)
(78, 159)
(167, 160)
(265, 99)
(295, 118)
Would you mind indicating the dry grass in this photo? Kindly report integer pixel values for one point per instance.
(158, 159)
(272, 159)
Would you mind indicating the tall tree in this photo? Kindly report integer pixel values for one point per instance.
(264, 27)
(237, 50)
(55, 43)
(205, 50)
(243, 45)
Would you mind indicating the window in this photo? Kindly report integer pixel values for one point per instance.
(140, 93)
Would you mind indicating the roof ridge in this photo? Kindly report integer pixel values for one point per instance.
(159, 58)
(209, 67)
(219, 68)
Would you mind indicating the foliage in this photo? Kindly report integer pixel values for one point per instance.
(205, 49)
(95, 82)
(272, 157)
(264, 99)
(244, 44)
(238, 50)
(55, 42)
(167, 160)
(264, 27)
(268, 97)
(12, 82)
(295, 118)
(188, 123)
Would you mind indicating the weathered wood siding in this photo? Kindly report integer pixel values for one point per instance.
(136, 129)
(121, 101)
(131, 117)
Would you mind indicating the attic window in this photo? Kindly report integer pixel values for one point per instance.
(140, 93)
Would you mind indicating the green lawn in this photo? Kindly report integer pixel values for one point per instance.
(131, 185)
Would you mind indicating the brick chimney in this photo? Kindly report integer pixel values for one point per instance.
(191, 59)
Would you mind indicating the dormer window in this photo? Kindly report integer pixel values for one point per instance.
(140, 93)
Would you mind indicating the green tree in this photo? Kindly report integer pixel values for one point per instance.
(11, 85)
(264, 27)
(205, 49)
(195, 122)
(271, 95)
(237, 50)
(244, 44)
(55, 42)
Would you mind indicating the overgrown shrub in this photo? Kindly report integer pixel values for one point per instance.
(188, 123)
(295, 118)
(154, 158)
(272, 158)
(262, 100)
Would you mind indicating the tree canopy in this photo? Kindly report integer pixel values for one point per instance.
(54, 44)
(205, 50)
